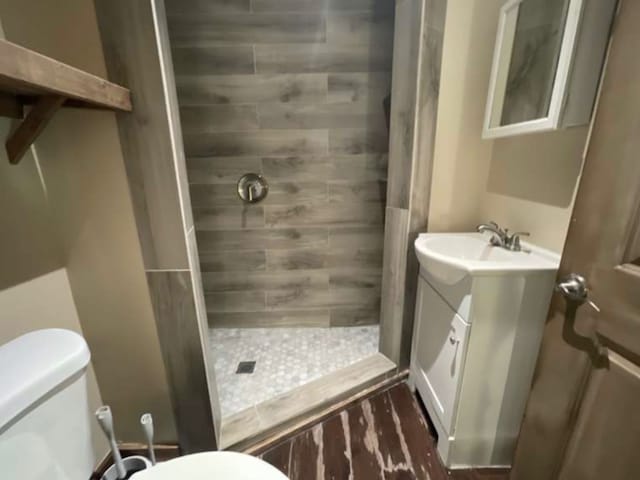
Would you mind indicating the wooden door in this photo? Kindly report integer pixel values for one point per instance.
(582, 420)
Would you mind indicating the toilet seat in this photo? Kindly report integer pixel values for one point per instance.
(212, 465)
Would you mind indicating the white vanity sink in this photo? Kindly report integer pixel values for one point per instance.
(451, 256)
(480, 313)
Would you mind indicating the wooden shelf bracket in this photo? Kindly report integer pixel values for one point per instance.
(33, 124)
(30, 78)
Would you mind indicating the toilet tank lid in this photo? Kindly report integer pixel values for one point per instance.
(35, 364)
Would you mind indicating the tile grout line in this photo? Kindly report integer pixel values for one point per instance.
(156, 270)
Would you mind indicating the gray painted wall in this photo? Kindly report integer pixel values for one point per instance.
(292, 89)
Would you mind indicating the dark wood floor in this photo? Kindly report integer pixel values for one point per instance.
(383, 437)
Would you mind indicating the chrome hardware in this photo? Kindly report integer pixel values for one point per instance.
(453, 339)
(252, 188)
(574, 288)
(499, 235)
(576, 293)
(513, 241)
(502, 238)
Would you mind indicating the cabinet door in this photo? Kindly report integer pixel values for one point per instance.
(440, 348)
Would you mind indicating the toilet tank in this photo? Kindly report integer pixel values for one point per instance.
(44, 410)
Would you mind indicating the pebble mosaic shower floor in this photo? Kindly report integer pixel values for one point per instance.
(285, 358)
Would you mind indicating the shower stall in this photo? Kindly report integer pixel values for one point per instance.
(278, 178)
(297, 94)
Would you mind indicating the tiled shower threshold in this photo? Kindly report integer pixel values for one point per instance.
(263, 418)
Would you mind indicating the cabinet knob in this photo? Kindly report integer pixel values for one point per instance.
(453, 339)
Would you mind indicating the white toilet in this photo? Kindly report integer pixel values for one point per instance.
(212, 465)
(45, 419)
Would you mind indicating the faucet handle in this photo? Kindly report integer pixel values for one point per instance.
(514, 240)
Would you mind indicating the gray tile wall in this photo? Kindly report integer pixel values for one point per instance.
(416, 78)
(292, 89)
(134, 41)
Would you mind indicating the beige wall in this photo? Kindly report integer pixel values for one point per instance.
(28, 248)
(532, 182)
(461, 157)
(523, 183)
(90, 214)
(34, 287)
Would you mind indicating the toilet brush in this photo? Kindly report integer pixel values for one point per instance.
(105, 419)
(146, 421)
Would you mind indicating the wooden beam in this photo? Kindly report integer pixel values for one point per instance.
(10, 106)
(25, 72)
(22, 137)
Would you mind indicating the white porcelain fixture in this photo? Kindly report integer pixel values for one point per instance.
(44, 412)
(480, 313)
(45, 419)
(451, 257)
(212, 465)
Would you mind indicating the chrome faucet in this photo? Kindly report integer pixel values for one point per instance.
(502, 238)
(499, 236)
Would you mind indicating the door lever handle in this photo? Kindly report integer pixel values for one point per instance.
(574, 288)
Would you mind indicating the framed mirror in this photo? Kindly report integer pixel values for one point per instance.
(531, 64)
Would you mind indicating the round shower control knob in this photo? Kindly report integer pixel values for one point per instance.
(252, 188)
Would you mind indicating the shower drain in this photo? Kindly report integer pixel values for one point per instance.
(246, 367)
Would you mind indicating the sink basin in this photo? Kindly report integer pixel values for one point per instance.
(449, 257)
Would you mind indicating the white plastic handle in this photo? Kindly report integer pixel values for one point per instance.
(105, 419)
(146, 420)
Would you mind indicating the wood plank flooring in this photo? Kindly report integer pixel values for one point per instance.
(385, 437)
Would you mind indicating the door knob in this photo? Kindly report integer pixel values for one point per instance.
(574, 288)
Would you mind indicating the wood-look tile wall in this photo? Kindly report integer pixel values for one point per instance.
(292, 89)
(134, 38)
(416, 79)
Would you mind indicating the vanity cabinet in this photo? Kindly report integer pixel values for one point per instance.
(474, 350)
(441, 352)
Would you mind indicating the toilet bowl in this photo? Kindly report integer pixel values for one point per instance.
(212, 465)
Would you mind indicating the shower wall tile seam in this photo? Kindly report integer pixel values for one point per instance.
(167, 270)
(287, 226)
(253, 51)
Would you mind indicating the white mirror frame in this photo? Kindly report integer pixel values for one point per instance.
(500, 71)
